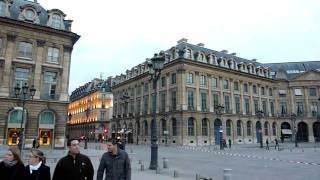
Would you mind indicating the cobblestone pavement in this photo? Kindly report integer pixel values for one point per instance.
(246, 161)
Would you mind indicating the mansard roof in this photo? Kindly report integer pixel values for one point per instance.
(90, 87)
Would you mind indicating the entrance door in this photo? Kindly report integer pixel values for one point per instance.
(302, 134)
(216, 128)
(258, 131)
(316, 131)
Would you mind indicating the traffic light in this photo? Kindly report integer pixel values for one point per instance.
(105, 130)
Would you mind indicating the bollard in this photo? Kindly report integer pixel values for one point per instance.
(158, 170)
(142, 167)
(165, 162)
(175, 174)
(227, 174)
(197, 177)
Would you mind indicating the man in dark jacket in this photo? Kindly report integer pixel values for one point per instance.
(115, 162)
(74, 166)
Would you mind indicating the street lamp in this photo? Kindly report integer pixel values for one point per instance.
(219, 110)
(24, 92)
(318, 120)
(259, 114)
(293, 119)
(155, 67)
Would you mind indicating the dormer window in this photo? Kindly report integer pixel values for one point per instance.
(29, 14)
(56, 21)
(2, 8)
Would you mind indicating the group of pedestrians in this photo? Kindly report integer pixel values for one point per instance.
(114, 164)
(276, 144)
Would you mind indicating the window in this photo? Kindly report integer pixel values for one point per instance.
(272, 108)
(254, 89)
(239, 128)
(283, 108)
(53, 55)
(146, 128)
(2, 8)
(138, 106)
(162, 102)
(56, 21)
(262, 91)
(249, 128)
(131, 106)
(190, 78)
(188, 53)
(297, 92)
(214, 82)
(203, 101)
(299, 108)
(204, 127)
(215, 100)
(0, 39)
(146, 100)
(164, 126)
(138, 90)
(312, 91)
(228, 127)
(174, 100)
(16, 117)
(264, 107)
(225, 84)
(174, 127)
(190, 100)
(247, 105)
(313, 108)
(21, 77)
(173, 78)
(237, 103)
(256, 105)
(227, 104)
(50, 85)
(274, 128)
(163, 81)
(146, 88)
(266, 128)
(203, 80)
(245, 88)
(46, 117)
(29, 14)
(25, 50)
(236, 86)
(190, 127)
(270, 92)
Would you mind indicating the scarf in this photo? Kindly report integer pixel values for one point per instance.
(34, 168)
(10, 163)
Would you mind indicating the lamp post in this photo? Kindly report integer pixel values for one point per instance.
(219, 110)
(24, 93)
(259, 115)
(318, 120)
(293, 120)
(155, 67)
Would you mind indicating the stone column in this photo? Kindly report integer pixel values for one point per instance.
(307, 109)
(242, 105)
(232, 104)
(210, 102)
(66, 61)
(253, 113)
(221, 91)
(9, 54)
(37, 71)
(197, 84)
(181, 90)
(168, 96)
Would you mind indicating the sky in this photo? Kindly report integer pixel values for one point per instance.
(120, 34)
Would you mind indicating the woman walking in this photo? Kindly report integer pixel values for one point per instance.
(12, 168)
(37, 170)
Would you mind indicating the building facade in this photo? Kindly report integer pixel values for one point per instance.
(196, 80)
(90, 111)
(35, 50)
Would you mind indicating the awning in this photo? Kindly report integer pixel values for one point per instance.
(286, 131)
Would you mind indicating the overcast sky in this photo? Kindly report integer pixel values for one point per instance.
(119, 34)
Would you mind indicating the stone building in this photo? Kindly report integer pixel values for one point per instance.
(258, 99)
(90, 110)
(35, 50)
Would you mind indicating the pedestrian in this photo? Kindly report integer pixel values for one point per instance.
(229, 141)
(37, 170)
(34, 142)
(267, 144)
(277, 144)
(12, 168)
(115, 163)
(74, 166)
(121, 144)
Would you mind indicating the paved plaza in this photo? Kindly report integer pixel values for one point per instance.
(246, 161)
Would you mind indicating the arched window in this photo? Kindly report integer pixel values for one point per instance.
(266, 128)
(163, 126)
(47, 117)
(249, 126)
(16, 116)
(228, 126)
(56, 21)
(146, 128)
(239, 128)
(274, 128)
(174, 127)
(188, 55)
(204, 127)
(191, 127)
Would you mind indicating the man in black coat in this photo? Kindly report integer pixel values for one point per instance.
(74, 166)
(115, 163)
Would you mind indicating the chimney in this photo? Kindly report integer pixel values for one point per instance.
(224, 51)
(36, 1)
(183, 40)
(200, 45)
(254, 60)
(233, 54)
